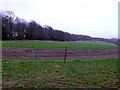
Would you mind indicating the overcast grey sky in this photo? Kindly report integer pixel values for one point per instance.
(97, 18)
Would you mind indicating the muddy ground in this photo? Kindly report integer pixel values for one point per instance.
(26, 53)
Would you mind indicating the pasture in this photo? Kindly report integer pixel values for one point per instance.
(76, 73)
(81, 45)
(81, 73)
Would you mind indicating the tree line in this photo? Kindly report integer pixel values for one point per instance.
(15, 28)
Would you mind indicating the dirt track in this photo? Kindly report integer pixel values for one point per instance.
(26, 53)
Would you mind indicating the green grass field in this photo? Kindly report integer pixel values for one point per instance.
(86, 44)
(82, 73)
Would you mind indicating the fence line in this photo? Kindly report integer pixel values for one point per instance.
(62, 54)
(33, 54)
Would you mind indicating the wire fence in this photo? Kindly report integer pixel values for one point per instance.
(62, 54)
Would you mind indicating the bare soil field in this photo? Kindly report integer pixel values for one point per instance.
(49, 54)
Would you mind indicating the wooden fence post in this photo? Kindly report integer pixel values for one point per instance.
(65, 54)
(33, 53)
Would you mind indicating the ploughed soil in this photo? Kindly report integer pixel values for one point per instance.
(26, 53)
